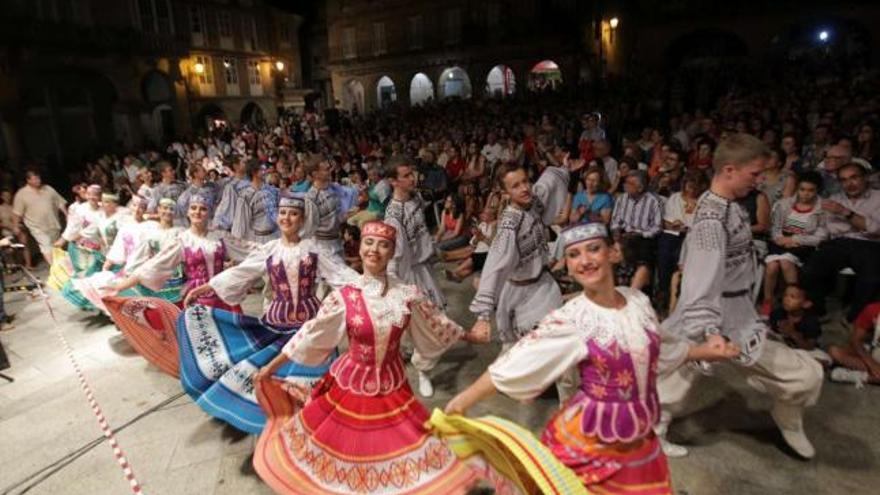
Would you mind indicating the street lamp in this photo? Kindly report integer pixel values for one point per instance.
(279, 65)
(199, 68)
(823, 36)
(612, 23)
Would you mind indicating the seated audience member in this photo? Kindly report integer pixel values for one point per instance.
(793, 321)
(451, 231)
(859, 360)
(637, 221)
(853, 223)
(797, 227)
(678, 214)
(592, 203)
(480, 242)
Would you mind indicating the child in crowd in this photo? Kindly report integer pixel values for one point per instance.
(793, 322)
(479, 246)
(859, 361)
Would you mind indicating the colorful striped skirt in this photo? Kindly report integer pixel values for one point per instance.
(86, 262)
(221, 351)
(148, 324)
(344, 442)
(61, 269)
(638, 467)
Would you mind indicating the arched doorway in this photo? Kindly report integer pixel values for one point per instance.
(211, 117)
(386, 93)
(545, 76)
(454, 82)
(157, 92)
(353, 96)
(500, 82)
(252, 114)
(421, 90)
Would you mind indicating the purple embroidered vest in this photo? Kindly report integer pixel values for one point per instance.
(196, 271)
(291, 306)
(615, 409)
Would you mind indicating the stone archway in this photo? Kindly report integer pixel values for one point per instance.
(211, 116)
(252, 114)
(545, 76)
(421, 89)
(500, 82)
(454, 82)
(386, 92)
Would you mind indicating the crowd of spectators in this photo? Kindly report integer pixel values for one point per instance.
(813, 216)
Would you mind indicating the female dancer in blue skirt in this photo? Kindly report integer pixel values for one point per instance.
(220, 352)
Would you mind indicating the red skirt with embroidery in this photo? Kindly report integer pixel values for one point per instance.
(346, 442)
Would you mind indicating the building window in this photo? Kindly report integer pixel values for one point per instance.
(224, 24)
(196, 23)
(349, 43)
(379, 38)
(249, 33)
(255, 79)
(206, 78)
(453, 26)
(415, 32)
(197, 26)
(145, 12)
(493, 14)
(254, 76)
(230, 72)
(284, 31)
(154, 16)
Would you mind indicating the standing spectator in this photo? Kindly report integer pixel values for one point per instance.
(637, 221)
(797, 227)
(602, 151)
(38, 205)
(854, 230)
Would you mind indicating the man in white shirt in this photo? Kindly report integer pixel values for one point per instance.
(38, 206)
(492, 150)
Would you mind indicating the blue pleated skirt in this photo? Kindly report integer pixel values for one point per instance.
(221, 351)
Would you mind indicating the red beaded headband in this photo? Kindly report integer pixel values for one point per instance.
(379, 229)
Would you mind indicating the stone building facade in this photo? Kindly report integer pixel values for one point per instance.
(79, 76)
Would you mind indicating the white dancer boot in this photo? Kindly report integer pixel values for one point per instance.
(672, 450)
(426, 388)
(789, 419)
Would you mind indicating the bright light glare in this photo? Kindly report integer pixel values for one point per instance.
(823, 36)
(614, 22)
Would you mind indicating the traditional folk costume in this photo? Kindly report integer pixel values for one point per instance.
(515, 283)
(97, 238)
(121, 256)
(172, 191)
(221, 351)
(719, 272)
(185, 261)
(325, 210)
(414, 247)
(208, 191)
(362, 431)
(225, 202)
(250, 213)
(83, 255)
(605, 431)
